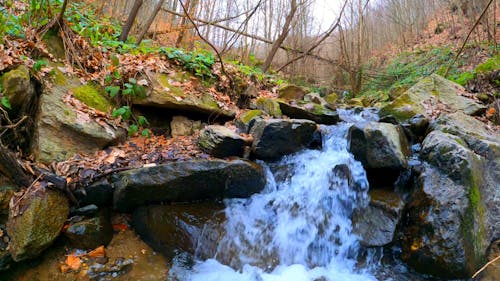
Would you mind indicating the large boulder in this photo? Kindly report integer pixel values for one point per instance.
(484, 142)
(187, 181)
(430, 94)
(310, 111)
(193, 228)
(379, 145)
(167, 93)
(35, 222)
(183, 126)
(269, 105)
(220, 141)
(274, 138)
(63, 131)
(376, 224)
(443, 234)
(291, 92)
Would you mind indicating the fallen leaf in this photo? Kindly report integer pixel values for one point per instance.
(120, 227)
(490, 113)
(73, 262)
(98, 252)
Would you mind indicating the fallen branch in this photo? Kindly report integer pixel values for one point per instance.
(485, 266)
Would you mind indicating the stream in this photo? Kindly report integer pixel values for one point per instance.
(298, 228)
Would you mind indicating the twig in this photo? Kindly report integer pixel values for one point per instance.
(467, 38)
(223, 69)
(485, 266)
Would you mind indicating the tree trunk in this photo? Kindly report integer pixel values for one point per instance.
(149, 21)
(130, 20)
(11, 169)
(281, 37)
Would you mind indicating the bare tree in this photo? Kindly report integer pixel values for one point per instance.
(149, 21)
(130, 20)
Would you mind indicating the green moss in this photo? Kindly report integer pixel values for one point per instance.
(208, 101)
(248, 116)
(318, 109)
(490, 65)
(401, 108)
(58, 77)
(332, 98)
(89, 95)
(269, 106)
(164, 81)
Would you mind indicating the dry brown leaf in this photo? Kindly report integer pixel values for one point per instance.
(98, 252)
(73, 262)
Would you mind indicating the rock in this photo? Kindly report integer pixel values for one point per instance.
(311, 111)
(418, 126)
(183, 126)
(269, 106)
(250, 92)
(166, 94)
(376, 224)
(90, 233)
(332, 100)
(274, 138)
(291, 92)
(485, 174)
(492, 272)
(18, 88)
(5, 257)
(356, 102)
(63, 131)
(35, 228)
(6, 192)
(220, 141)
(427, 92)
(187, 181)
(379, 145)
(246, 119)
(442, 232)
(193, 228)
(89, 211)
(99, 193)
(315, 98)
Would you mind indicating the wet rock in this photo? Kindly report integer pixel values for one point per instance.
(220, 141)
(274, 138)
(291, 92)
(62, 131)
(18, 88)
(310, 111)
(389, 119)
(443, 234)
(117, 267)
(36, 224)
(89, 211)
(5, 257)
(7, 190)
(166, 94)
(483, 175)
(187, 181)
(183, 126)
(376, 224)
(270, 106)
(90, 233)
(99, 193)
(193, 228)
(331, 100)
(418, 126)
(379, 145)
(492, 272)
(427, 92)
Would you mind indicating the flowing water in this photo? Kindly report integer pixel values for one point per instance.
(299, 227)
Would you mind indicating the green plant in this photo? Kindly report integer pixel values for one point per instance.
(4, 100)
(198, 62)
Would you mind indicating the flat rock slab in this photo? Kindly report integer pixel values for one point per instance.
(310, 111)
(187, 181)
(426, 94)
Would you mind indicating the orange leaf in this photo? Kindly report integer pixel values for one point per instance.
(120, 227)
(97, 252)
(490, 112)
(73, 262)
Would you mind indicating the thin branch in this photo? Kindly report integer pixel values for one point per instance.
(467, 38)
(325, 36)
(223, 69)
(485, 266)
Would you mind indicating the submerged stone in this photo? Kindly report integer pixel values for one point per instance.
(193, 228)
(187, 181)
(91, 233)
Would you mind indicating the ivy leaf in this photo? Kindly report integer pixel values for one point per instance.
(141, 120)
(5, 102)
(132, 129)
(146, 133)
(112, 90)
(123, 111)
(114, 60)
(38, 65)
(132, 80)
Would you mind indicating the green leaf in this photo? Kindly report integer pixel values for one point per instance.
(132, 129)
(117, 74)
(112, 90)
(132, 80)
(128, 85)
(38, 65)
(123, 111)
(141, 120)
(5, 102)
(127, 92)
(114, 60)
(146, 133)
(108, 79)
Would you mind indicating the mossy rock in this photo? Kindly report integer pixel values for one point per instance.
(269, 106)
(356, 102)
(332, 99)
(427, 92)
(165, 94)
(92, 96)
(17, 87)
(291, 92)
(55, 44)
(249, 115)
(38, 225)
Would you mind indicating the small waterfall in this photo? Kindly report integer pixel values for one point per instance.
(299, 227)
